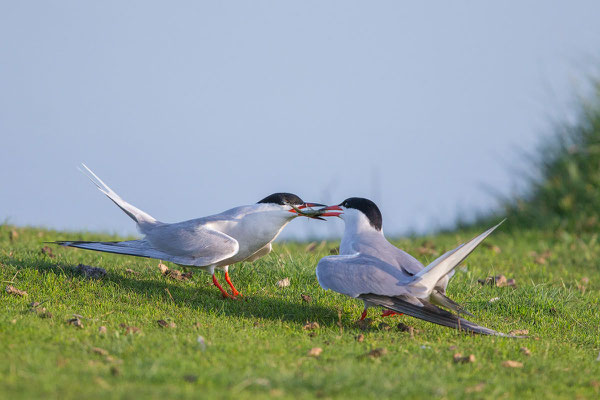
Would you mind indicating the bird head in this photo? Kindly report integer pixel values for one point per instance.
(292, 204)
(356, 211)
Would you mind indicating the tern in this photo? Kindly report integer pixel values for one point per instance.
(217, 241)
(375, 271)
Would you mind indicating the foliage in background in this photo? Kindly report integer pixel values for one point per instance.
(563, 186)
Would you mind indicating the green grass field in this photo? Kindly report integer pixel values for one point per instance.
(257, 347)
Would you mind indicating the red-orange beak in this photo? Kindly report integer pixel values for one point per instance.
(332, 214)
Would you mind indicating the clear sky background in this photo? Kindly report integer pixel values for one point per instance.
(190, 108)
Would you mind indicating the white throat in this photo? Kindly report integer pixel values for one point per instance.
(358, 229)
(357, 223)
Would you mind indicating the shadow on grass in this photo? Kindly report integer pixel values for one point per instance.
(202, 297)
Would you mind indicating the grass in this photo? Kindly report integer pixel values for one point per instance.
(257, 347)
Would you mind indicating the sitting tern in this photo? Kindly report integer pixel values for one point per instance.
(242, 233)
(372, 269)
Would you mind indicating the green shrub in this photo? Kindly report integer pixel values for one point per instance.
(563, 190)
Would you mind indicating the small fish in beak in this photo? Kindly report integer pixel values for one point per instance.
(307, 210)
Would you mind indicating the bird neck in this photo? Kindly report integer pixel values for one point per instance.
(358, 223)
(358, 230)
(267, 222)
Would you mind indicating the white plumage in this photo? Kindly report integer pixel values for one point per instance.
(370, 268)
(240, 234)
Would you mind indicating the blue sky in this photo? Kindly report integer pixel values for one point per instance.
(189, 108)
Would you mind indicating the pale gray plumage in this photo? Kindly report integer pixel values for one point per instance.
(190, 243)
(240, 234)
(368, 261)
(358, 274)
(369, 267)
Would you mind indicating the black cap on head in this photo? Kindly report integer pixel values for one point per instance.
(367, 207)
(282, 199)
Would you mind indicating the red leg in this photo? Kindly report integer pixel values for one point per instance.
(225, 294)
(233, 289)
(389, 313)
(364, 314)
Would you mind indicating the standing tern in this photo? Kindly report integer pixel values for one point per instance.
(217, 241)
(372, 269)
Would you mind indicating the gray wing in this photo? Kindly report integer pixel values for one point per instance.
(143, 248)
(407, 262)
(428, 312)
(382, 249)
(358, 274)
(199, 244)
(138, 248)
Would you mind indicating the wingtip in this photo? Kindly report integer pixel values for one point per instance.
(497, 225)
(85, 170)
(509, 336)
(99, 183)
(431, 313)
(60, 242)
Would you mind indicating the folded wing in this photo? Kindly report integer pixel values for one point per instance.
(357, 274)
(202, 247)
(428, 312)
(378, 283)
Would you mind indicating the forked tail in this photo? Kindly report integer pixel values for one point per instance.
(425, 281)
(143, 219)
